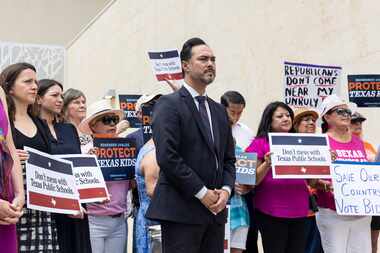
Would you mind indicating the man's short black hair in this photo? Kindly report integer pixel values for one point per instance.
(188, 45)
(232, 97)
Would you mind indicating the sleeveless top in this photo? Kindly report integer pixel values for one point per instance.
(142, 242)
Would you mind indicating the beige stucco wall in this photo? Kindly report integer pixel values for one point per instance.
(251, 39)
(54, 22)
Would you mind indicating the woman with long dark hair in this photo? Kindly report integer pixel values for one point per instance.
(73, 232)
(281, 205)
(36, 230)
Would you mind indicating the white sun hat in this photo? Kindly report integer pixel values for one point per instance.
(97, 109)
(330, 102)
(144, 99)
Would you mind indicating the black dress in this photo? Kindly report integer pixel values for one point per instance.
(73, 234)
(36, 230)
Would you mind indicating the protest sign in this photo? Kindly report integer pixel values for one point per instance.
(88, 177)
(127, 104)
(300, 155)
(306, 85)
(356, 188)
(166, 64)
(50, 184)
(147, 122)
(116, 158)
(246, 168)
(364, 90)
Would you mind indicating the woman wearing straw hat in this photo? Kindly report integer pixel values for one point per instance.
(305, 122)
(108, 230)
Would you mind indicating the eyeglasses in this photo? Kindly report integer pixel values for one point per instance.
(343, 112)
(108, 119)
(309, 118)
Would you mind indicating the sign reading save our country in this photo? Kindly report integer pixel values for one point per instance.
(300, 155)
(356, 188)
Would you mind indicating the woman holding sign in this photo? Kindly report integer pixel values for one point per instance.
(11, 186)
(281, 205)
(108, 230)
(36, 230)
(73, 232)
(340, 233)
(305, 122)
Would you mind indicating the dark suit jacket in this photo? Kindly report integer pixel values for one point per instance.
(187, 160)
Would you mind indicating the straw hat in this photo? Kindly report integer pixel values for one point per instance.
(301, 112)
(95, 110)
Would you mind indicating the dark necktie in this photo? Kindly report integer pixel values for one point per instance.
(204, 116)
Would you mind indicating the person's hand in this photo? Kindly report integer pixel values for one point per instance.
(18, 202)
(80, 214)
(222, 201)
(122, 126)
(173, 84)
(333, 155)
(210, 198)
(267, 159)
(22, 154)
(93, 151)
(325, 185)
(242, 189)
(8, 214)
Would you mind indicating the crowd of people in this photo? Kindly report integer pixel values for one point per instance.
(184, 175)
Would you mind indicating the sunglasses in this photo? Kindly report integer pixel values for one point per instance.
(343, 112)
(109, 120)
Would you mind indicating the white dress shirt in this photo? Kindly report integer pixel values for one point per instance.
(194, 94)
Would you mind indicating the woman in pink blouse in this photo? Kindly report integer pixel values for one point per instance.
(281, 205)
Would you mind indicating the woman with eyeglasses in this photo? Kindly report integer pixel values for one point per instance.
(339, 233)
(73, 232)
(108, 230)
(305, 122)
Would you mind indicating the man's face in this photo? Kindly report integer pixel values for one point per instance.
(201, 66)
(234, 112)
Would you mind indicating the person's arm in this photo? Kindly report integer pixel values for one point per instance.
(166, 135)
(262, 168)
(150, 170)
(18, 186)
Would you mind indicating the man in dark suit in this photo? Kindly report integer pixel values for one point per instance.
(195, 152)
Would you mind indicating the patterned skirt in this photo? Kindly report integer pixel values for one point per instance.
(37, 232)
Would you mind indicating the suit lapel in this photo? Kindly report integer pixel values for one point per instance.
(197, 117)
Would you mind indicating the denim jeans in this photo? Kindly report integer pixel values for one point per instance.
(108, 234)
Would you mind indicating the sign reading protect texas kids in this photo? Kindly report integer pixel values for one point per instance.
(300, 155)
(50, 184)
(116, 158)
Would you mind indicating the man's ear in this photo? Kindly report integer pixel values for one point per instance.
(185, 66)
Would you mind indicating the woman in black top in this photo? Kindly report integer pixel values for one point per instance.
(73, 231)
(36, 230)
